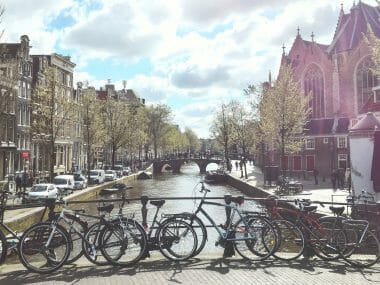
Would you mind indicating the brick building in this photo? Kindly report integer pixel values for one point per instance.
(342, 84)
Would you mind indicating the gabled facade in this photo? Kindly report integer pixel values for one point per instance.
(68, 137)
(342, 85)
(15, 111)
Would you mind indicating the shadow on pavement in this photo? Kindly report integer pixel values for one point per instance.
(74, 273)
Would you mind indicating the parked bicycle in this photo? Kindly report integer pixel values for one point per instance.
(45, 247)
(174, 238)
(252, 236)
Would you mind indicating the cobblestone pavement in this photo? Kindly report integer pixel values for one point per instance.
(203, 270)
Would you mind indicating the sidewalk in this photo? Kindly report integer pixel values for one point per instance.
(323, 192)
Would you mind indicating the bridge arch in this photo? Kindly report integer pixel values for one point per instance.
(177, 163)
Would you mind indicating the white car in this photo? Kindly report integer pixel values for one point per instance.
(80, 182)
(110, 175)
(42, 191)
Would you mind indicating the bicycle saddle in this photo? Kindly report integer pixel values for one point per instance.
(337, 210)
(309, 208)
(106, 208)
(157, 203)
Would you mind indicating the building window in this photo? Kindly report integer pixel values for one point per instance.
(310, 144)
(314, 84)
(353, 122)
(325, 140)
(365, 81)
(310, 162)
(297, 164)
(342, 161)
(376, 92)
(342, 142)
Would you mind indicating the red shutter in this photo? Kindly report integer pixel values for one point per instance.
(310, 162)
(297, 162)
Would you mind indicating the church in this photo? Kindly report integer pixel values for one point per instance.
(343, 87)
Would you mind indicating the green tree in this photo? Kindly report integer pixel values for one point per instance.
(284, 111)
(51, 113)
(193, 141)
(91, 121)
(221, 128)
(158, 119)
(115, 117)
(243, 130)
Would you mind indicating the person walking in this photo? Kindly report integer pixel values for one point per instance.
(24, 181)
(18, 183)
(237, 165)
(334, 179)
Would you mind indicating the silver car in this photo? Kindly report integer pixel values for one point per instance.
(42, 191)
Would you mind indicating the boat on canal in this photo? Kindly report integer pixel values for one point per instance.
(116, 188)
(144, 175)
(215, 176)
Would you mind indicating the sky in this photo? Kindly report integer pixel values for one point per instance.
(192, 55)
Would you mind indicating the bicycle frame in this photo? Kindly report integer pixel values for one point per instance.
(224, 235)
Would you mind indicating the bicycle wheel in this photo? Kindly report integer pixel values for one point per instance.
(3, 247)
(44, 247)
(123, 242)
(331, 239)
(176, 239)
(364, 253)
(255, 238)
(199, 228)
(291, 241)
(91, 245)
(80, 226)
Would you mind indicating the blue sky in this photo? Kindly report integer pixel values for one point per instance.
(191, 55)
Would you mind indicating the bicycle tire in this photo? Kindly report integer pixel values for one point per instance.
(199, 227)
(3, 248)
(255, 238)
(123, 242)
(91, 245)
(76, 251)
(34, 254)
(177, 240)
(333, 239)
(365, 253)
(291, 241)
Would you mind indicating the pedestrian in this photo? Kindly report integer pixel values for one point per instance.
(315, 172)
(241, 167)
(24, 180)
(237, 165)
(18, 183)
(333, 179)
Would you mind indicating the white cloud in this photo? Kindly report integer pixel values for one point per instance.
(201, 52)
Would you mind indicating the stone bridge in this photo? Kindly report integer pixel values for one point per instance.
(175, 164)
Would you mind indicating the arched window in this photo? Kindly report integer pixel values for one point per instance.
(365, 81)
(313, 82)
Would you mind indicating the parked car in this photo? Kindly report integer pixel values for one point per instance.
(97, 176)
(110, 175)
(42, 191)
(80, 182)
(65, 183)
(119, 170)
(126, 170)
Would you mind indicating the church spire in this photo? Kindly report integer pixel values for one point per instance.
(283, 49)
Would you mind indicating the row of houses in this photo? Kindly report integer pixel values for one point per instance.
(344, 89)
(21, 148)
